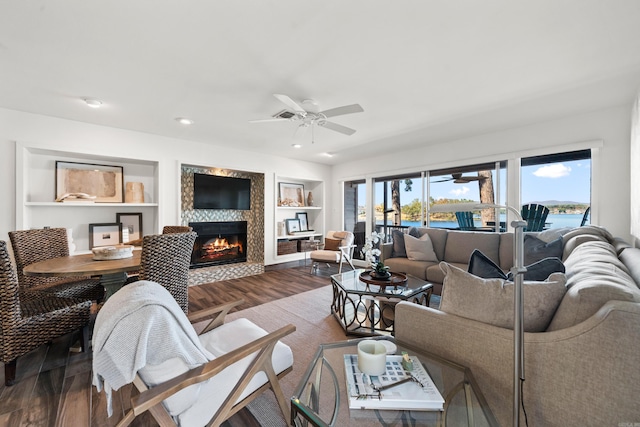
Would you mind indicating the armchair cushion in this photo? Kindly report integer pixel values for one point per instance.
(491, 300)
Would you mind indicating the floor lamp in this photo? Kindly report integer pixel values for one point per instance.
(517, 271)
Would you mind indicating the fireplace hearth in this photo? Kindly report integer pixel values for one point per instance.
(219, 243)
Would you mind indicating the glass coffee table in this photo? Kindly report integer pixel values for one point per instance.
(321, 396)
(367, 309)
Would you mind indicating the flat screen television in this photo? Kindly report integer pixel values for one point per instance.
(221, 192)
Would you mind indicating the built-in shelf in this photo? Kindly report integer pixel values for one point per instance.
(35, 193)
(315, 217)
(89, 205)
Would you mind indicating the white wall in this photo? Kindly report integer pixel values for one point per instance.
(609, 128)
(65, 135)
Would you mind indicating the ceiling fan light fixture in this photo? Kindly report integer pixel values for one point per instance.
(184, 121)
(92, 102)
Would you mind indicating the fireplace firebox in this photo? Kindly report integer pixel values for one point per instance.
(219, 243)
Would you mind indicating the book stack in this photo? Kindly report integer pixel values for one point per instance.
(415, 390)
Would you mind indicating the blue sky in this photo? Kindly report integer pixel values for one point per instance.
(566, 181)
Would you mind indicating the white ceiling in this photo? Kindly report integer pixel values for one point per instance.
(424, 71)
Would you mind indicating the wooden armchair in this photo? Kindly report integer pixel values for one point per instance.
(238, 362)
(535, 215)
(29, 319)
(338, 248)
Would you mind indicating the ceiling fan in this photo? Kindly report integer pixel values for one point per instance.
(308, 116)
(458, 178)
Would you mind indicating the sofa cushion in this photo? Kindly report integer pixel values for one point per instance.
(404, 265)
(506, 251)
(589, 229)
(397, 237)
(491, 300)
(586, 297)
(575, 241)
(536, 249)
(438, 238)
(460, 245)
(419, 249)
(630, 257)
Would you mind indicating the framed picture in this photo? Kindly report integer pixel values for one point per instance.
(291, 194)
(102, 181)
(107, 234)
(302, 217)
(132, 223)
(293, 225)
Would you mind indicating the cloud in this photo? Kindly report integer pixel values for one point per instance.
(460, 191)
(557, 170)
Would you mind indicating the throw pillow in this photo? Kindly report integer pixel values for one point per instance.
(397, 237)
(541, 270)
(332, 244)
(420, 249)
(480, 265)
(491, 300)
(536, 249)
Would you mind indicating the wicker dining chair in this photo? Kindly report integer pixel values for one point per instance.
(165, 259)
(30, 246)
(29, 318)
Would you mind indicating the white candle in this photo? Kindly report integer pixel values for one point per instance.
(372, 357)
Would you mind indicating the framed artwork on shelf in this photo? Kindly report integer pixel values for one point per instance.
(291, 195)
(293, 225)
(103, 183)
(304, 221)
(131, 225)
(106, 234)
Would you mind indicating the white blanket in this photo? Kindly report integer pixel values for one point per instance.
(140, 324)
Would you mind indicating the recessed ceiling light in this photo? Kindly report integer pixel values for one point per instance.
(296, 145)
(92, 102)
(328, 154)
(184, 121)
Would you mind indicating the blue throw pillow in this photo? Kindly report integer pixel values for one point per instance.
(480, 265)
(541, 270)
(536, 249)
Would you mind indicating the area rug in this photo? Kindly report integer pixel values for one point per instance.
(310, 313)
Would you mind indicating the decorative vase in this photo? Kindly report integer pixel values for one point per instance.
(134, 192)
(310, 199)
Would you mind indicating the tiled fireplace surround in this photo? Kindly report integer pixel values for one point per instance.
(254, 218)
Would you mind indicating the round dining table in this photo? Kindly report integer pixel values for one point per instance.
(113, 273)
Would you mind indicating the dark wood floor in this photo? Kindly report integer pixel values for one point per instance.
(54, 385)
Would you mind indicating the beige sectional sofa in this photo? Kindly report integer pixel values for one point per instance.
(454, 247)
(582, 369)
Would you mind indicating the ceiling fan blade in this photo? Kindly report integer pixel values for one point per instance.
(278, 119)
(346, 109)
(338, 128)
(444, 180)
(290, 103)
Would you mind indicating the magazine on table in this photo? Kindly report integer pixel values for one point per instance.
(395, 389)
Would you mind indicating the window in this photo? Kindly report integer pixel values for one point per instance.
(398, 202)
(482, 183)
(561, 182)
(355, 215)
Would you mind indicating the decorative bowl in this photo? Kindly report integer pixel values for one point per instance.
(104, 253)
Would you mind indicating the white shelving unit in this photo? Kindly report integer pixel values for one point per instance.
(315, 216)
(35, 193)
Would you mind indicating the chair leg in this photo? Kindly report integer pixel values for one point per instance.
(84, 338)
(10, 373)
(314, 267)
